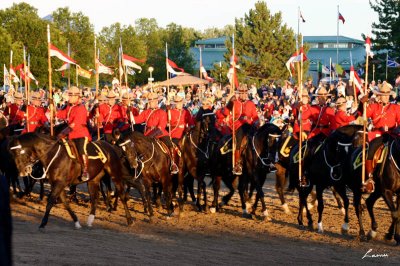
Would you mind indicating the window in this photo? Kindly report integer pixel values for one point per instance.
(209, 46)
(220, 45)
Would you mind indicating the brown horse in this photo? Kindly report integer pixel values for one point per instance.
(63, 171)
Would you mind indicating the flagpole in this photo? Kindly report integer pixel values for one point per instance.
(330, 70)
(120, 63)
(4, 78)
(337, 37)
(96, 67)
(220, 75)
(364, 122)
(69, 67)
(201, 63)
(166, 64)
(27, 78)
(373, 71)
(233, 106)
(387, 59)
(50, 84)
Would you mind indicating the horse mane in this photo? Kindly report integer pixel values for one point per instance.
(269, 128)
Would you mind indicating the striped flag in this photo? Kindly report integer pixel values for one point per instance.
(129, 61)
(83, 72)
(392, 63)
(368, 47)
(340, 17)
(54, 51)
(6, 77)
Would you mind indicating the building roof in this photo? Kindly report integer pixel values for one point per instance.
(330, 39)
(220, 40)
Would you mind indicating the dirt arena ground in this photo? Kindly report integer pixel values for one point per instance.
(196, 238)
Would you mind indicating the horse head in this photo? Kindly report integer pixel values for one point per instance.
(355, 132)
(128, 147)
(23, 150)
(270, 136)
(205, 123)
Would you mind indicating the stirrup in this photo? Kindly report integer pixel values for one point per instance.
(368, 186)
(174, 169)
(85, 176)
(237, 170)
(272, 168)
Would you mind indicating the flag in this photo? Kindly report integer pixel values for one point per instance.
(104, 69)
(340, 17)
(13, 75)
(368, 47)
(302, 18)
(64, 67)
(54, 51)
(171, 65)
(83, 72)
(392, 63)
(205, 75)
(129, 62)
(355, 79)
(323, 69)
(295, 58)
(130, 71)
(133, 59)
(233, 77)
(339, 69)
(360, 71)
(6, 77)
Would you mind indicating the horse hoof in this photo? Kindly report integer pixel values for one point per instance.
(388, 236)
(363, 238)
(397, 238)
(345, 229)
(286, 209)
(247, 216)
(77, 225)
(129, 221)
(371, 234)
(320, 228)
(90, 220)
(343, 211)
(42, 229)
(213, 210)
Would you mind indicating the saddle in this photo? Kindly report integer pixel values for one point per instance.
(93, 150)
(378, 157)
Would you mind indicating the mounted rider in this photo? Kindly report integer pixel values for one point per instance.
(15, 112)
(36, 114)
(385, 117)
(180, 120)
(156, 123)
(110, 115)
(127, 111)
(243, 119)
(76, 115)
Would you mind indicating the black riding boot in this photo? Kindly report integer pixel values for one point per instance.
(85, 174)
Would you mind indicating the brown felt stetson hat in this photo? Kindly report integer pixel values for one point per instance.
(178, 99)
(35, 96)
(111, 95)
(340, 101)
(18, 96)
(385, 90)
(322, 92)
(152, 96)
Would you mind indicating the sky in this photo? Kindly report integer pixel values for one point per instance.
(320, 15)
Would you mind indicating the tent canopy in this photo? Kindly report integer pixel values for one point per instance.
(182, 80)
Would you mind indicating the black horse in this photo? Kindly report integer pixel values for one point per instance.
(327, 169)
(259, 153)
(196, 148)
(387, 185)
(152, 163)
(63, 171)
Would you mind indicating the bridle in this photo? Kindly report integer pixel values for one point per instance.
(264, 160)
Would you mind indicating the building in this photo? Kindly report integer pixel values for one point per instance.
(322, 48)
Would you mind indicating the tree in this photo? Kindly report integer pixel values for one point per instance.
(76, 30)
(387, 35)
(263, 44)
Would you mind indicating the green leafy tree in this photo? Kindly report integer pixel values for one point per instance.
(387, 36)
(263, 44)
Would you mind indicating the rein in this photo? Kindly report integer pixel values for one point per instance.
(205, 153)
(255, 149)
(391, 157)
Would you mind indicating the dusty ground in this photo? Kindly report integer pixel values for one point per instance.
(196, 238)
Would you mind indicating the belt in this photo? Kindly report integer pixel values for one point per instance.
(33, 123)
(322, 126)
(383, 129)
(243, 117)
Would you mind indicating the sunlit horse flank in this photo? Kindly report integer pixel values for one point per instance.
(62, 171)
(387, 185)
(152, 164)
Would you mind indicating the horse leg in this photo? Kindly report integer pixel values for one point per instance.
(64, 200)
(167, 187)
(280, 183)
(41, 195)
(243, 198)
(370, 202)
(216, 187)
(359, 210)
(124, 198)
(303, 195)
(320, 199)
(189, 184)
(106, 195)
(342, 193)
(181, 180)
(203, 184)
(338, 201)
(93, 187)
(388, 197)
(199, 192)
(56, 189)
(397, 226)
(227, 197)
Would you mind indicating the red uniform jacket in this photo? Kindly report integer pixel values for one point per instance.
(306, 122)
(154, 119)
(36, 118)
(110, 116)
(245, 112)
(76, 115)
(15, 115)
(220, 122)
(342, 119)
(383, 118)
(179, 121)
